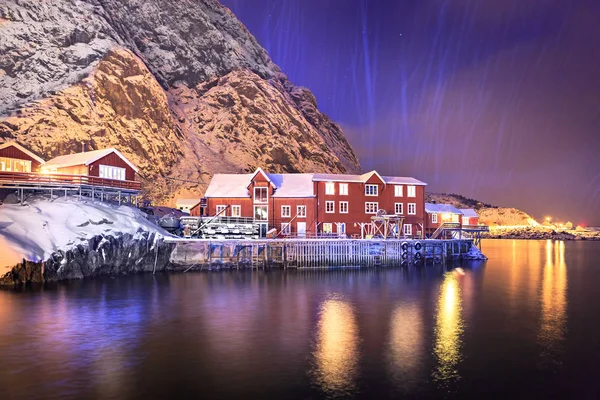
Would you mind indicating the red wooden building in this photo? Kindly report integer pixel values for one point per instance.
(307, 204)
(16, 158)
(438, 214)
(105, 163)
(469, 217)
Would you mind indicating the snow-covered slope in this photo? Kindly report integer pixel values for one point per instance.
(41, 227)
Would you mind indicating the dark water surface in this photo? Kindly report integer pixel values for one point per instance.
(525, 324)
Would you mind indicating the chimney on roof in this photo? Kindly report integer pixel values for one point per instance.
(83, 147)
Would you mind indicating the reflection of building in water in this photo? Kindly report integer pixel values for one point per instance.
(337, 346)
(448, 329)
(553, 300)
(406, 344)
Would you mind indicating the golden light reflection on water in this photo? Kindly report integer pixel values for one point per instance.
(553, 300)
(448, 329)
(406, 343)
(337, 346)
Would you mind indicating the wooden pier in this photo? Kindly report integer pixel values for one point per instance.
(313, 253)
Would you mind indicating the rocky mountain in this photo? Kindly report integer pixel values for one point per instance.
(180, 87)
(488, 214)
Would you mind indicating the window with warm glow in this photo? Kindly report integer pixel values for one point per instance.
(371, 190)
(221, 210)
(344, 189)
(411, 191)
(412, 208)
(261, 195)
(236, 211)
(343, 207)
(286, 211)
(329, 188)
(371, 207)
(330, 207)
(398, 190)
(327, 227)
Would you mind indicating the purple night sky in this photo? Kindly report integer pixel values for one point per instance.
(498, 100)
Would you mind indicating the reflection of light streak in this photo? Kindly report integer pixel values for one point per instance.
(337, 346)
(406, 338)
(553, 299)
(448, 329)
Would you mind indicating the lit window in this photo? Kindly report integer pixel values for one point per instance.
(261, 195)
(412, 208)
(301, 211)
(434, 218)
(344, 189)
(327, 227)
(343, 207)
(371, 207)
(398, 190)
(465, 220)
(411, 191)
(329, 188)
(330, 207)
(286, 211)
(398, 208)
(285, 228)
(371, 190)
(261, 213)
(110, 172)
(221, 210)
(236, 211)
(407, 230)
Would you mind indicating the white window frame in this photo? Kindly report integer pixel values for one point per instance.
(261, 188)
(367, 203)
(266, 212)
(411, 191)
(434, 218)
(236, 211)
(398, 191)
(287, 214)
(220, 208)
(111, 172)
(327, 227)
(341, 228)
(465, 220)
(414, 208)
(343, 189)
(399, 206)
(286, 228)
(329, 188)
(371, 192)
(329, 207)
(407, 229)
(301, 214)
(343, 203)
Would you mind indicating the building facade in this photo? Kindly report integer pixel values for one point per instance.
(310, 204)
(105, 163)
(16, 158)
(439, 214)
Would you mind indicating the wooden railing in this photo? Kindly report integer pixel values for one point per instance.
(65, 179)
(443, 227)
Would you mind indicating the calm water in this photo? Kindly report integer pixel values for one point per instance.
(525, 323)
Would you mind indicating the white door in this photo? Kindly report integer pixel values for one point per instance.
(301, 229)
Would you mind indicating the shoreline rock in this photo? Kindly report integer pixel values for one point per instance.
(540, 233)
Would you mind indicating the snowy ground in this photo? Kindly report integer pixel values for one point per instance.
(35, 230)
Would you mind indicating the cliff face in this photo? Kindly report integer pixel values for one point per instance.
(180, 87)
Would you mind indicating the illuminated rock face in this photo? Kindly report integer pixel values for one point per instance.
(181, 88)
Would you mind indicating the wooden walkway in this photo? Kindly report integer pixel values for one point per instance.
(313, 253)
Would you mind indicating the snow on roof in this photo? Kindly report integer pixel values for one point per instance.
(396, 180)
(85, 158)
(186, 202)
(293, 185)
(469, 212)
(236, 185)
(23, 149)
(229, 185)
(441, 209)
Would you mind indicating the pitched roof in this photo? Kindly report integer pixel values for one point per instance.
(23, 149)
(236, 185)
(431, 208)
(469, 212)
(396, 180)
(186, 202)
(85, 158)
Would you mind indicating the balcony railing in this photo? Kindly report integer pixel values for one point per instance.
(34, 178)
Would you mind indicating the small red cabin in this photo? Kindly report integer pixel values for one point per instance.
(105, 163)
(470, 217)
(16, 158)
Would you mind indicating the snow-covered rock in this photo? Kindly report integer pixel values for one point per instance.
(69, 238)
